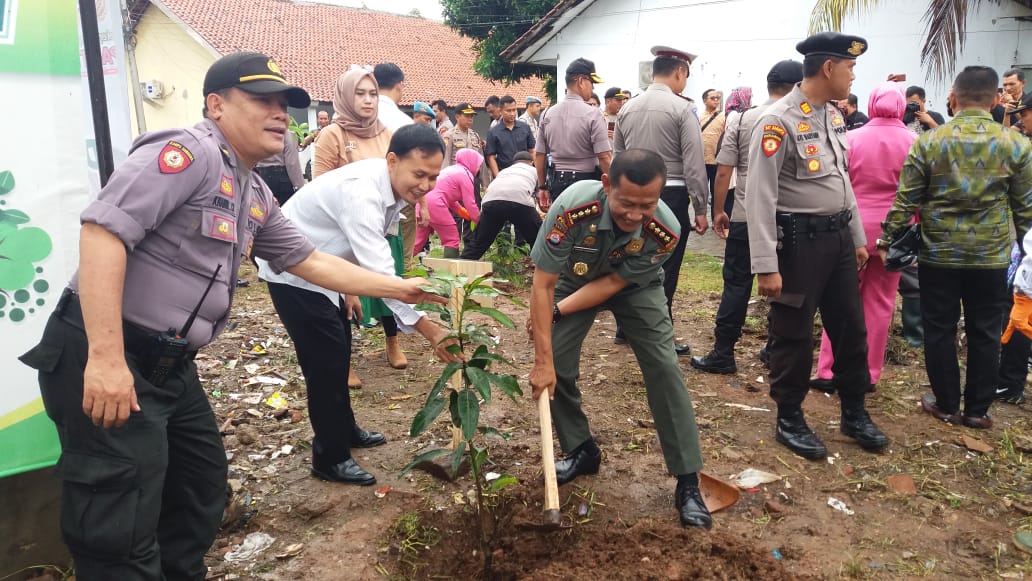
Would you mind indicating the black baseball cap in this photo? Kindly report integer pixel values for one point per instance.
(584, 67)
(1026, 103)
(253, 72)
(834, 44)
(784, 72)
(616, 92)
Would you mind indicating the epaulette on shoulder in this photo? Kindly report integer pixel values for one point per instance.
(579, 214)
(663, 235)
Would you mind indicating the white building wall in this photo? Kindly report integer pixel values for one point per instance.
(739, 40)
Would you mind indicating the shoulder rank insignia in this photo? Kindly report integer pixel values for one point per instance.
(806, 108)
(664, 236)
(581, 213)
(174, 158)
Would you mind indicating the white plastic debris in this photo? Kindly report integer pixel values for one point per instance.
(253, 544)
(839, 505)
(751, 478)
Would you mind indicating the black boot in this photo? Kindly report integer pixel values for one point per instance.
(689, 504)
(720, 360)
(584, 460)
(794, 434)
(857, 424)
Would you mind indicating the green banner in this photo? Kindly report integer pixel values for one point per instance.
(44, 184)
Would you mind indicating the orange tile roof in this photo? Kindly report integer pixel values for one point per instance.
(315, 43)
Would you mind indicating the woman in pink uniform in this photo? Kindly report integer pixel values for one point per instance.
(453, 193)
(876, 155)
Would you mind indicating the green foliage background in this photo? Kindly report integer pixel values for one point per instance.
(494, 25)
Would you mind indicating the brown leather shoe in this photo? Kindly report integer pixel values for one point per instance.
(978, 422)
(354, 381)
(395, 356)
(931, 408)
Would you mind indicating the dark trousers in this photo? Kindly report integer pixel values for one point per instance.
(558, 185)
(493, 217)
(738, 281)
(322, 339)
(817, 273)
(1013, 357)
(676, 197)
(982, 293)
(278, 180)
(143, 501)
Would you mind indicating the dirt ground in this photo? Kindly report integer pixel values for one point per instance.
(928, 507)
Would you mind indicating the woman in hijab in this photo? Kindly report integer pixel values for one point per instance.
(876, 155)
(454, 193)
(356, 134)
(739, 101)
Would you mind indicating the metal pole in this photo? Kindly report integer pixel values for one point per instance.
(95, 81)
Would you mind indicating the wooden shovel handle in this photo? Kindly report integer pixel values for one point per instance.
(548, 459)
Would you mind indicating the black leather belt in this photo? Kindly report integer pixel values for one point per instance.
(137, 339)
(576, 176)
(814, 223)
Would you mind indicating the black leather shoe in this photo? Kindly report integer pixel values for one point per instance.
(682, 349)
(931, 407)
(856, 423)
(583, 461)
(977, 422)
(690, 506)
(364, 439)
(793, 433)
(346, 472)
(824, 385)
(715, 363)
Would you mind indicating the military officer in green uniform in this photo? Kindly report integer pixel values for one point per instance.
(602, 247)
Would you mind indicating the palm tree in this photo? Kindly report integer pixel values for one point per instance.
(945, 27)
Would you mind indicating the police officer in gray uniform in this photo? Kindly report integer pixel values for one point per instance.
(142, 460)
(738, 278)
(575, 134)
(661, 120)
(807, 243)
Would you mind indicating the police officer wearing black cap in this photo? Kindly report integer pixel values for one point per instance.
(574, 133)
(142, 460)
(738, 278)
(806, 243)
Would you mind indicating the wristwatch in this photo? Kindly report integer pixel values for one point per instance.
(556, 313)
(543, 187)
(881, 244)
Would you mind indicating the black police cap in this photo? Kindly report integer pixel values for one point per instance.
(584, 67)
(253, 72)
(464, 109)
(787, 71)
(834, 44)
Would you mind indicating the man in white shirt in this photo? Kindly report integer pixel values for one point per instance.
(390, 79)
(509, 198)
(346, 213)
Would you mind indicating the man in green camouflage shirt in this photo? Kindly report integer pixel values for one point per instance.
(967, 179)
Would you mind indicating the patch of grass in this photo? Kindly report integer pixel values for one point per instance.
(701, 273)
(409, 536)
(854, 568)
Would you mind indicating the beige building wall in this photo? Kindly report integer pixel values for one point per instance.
(167, 52)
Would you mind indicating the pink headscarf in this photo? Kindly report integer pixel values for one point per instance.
(740, 100)
(344, 113)
(470, 159)
(887, 100)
